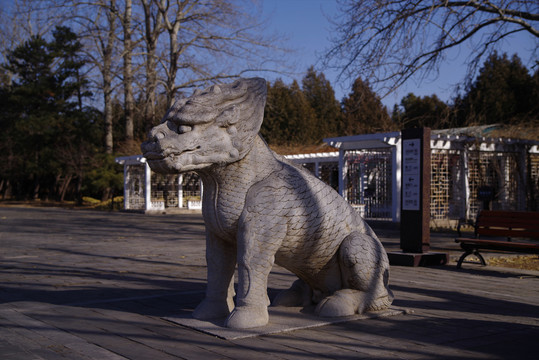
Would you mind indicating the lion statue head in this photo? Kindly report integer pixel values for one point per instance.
(215, 126)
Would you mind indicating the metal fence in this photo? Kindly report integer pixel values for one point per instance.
(460, 173)
(447, 192)
(533, 182)
(368, 179)
(458, 178)
(134, 187)
(191, 187)
(165, 188)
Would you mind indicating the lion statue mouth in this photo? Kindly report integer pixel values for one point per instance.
(161, 155)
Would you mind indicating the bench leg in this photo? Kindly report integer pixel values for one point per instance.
(461, 259)
(470, 252)
(483, 262)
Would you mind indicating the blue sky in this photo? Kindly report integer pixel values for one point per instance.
(305, 24)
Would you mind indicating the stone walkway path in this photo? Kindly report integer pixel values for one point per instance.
(95, 285)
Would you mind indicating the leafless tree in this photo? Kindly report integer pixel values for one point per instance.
(167, 47)
(99, 19)
(98, 23)
(129, 102)
(389, 41)
(153, 27)
(193, 42)
(205, 33)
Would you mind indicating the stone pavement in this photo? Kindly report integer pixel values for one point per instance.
(77, 284)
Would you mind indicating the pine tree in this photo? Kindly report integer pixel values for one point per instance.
(274, 128)
(288, 118)
(427, 111)
(502, 93)
(48, 128)
(321, 96)
(363, 112)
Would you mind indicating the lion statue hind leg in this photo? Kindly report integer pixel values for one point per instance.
(365, 276)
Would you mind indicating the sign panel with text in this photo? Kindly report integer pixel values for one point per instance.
(411, 172)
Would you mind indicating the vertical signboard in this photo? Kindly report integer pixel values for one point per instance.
(415, 208)
(415, 203)
(411, 174)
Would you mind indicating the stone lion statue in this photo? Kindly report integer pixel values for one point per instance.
(260, 209)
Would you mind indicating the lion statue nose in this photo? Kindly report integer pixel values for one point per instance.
(154, 135)
(157, 135)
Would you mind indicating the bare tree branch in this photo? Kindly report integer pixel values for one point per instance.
(152, 49)
(390, 41)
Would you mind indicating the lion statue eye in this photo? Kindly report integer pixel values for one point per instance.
(182, 129)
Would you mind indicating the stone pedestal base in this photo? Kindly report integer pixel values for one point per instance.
(418, 259)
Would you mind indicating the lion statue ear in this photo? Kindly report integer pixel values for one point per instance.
(244, 117)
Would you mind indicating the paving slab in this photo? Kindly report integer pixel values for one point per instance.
(77, 284)
(282, 319)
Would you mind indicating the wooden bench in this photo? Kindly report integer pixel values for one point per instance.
(501, 227)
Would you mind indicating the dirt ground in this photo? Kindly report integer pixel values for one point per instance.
(527, 262)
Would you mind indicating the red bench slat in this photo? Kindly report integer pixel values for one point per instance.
(508, 224)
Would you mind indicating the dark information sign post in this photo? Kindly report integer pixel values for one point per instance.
(415, 202)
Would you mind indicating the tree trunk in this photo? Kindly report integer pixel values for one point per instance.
(79, 188)
(173, 29)
(109, 139)
(128, 73)
(107, 78)
(106, 194)
(65, 185)
(35, 196)
(153, 26)
(7, 191)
